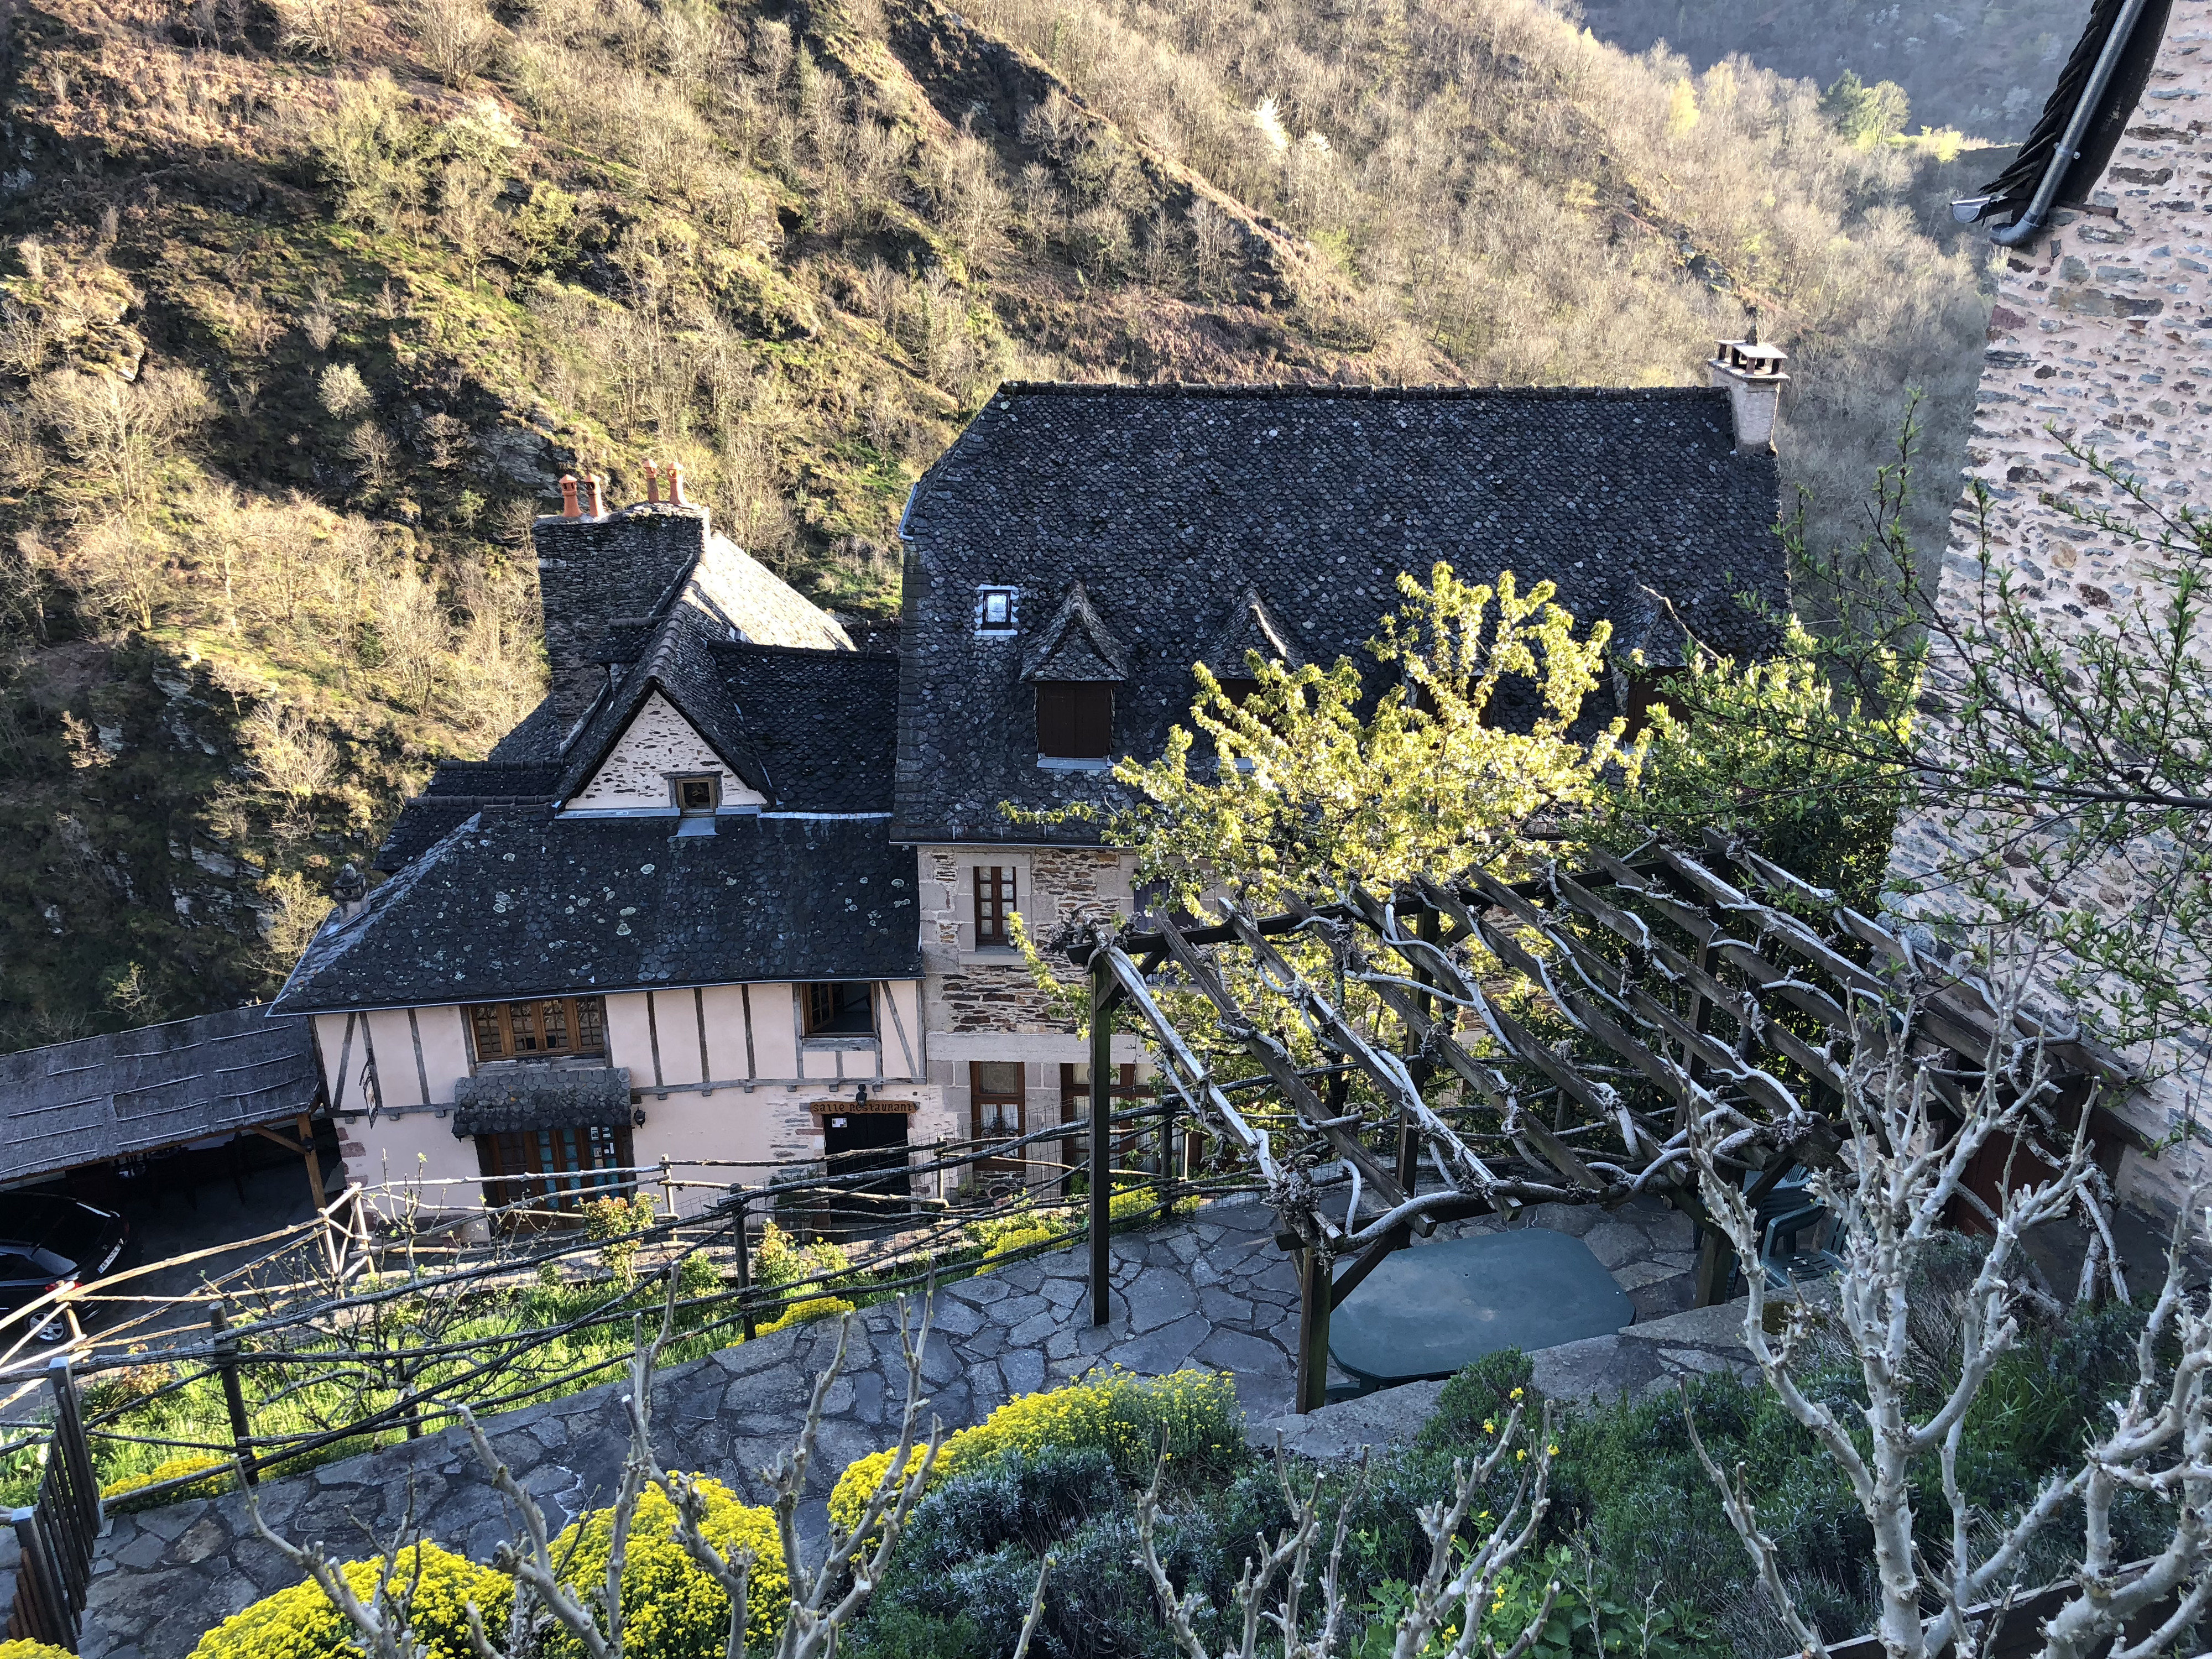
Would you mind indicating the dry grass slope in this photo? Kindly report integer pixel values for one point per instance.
(307, 302)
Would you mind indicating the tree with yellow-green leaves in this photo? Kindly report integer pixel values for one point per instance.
(1321, 776)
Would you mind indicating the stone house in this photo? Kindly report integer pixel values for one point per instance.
(1078, 548)
(661, 921)
(737, 891)
(2100, 337)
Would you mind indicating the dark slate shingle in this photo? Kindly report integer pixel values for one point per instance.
(516, 903)
(1171, 505)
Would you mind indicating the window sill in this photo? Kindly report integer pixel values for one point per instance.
(991, 955)
(861, 1040)
(1061, 763)
(544, 1063)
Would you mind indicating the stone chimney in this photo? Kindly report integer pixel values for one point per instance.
(598, 571)
(350, 891)
(1751, 373)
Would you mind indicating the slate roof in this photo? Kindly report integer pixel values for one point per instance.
(814, 731)
(1175, 506)
(823, 724)
(503, 1099)
(515, 902)
(681, 664)
(2010, 191)
(157, 1086)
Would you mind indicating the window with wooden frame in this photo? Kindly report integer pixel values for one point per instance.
(1075, 720)
(560, 1170)
(995, 906)
(702, 793)
(995, 1099)
(839, 1008)
(548, 1028)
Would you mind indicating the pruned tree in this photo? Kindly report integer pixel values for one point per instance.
(1457, 1589)
(825, 1596)
(1902, 1168)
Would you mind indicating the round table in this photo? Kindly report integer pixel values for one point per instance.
(1429, 1308)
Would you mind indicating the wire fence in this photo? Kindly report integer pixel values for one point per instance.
(382, 1315)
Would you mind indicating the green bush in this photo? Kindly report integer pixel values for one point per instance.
(671, 1608)
(779, 1261)
(33, 1651)
(301, 1623)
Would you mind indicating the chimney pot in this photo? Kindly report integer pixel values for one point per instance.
(351, 892)
(595, 505)
(675, 471)
(568, 508)
(1751, 373)
(652, 482)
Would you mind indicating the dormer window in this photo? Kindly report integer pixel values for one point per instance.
(997, 610)
(701, 792)
(1075, 720)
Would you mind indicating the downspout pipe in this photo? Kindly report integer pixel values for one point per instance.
(2069, 150)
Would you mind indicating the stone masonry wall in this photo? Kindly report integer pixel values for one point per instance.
(2102, 336)
(975, 991)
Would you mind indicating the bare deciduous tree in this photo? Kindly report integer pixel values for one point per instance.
(825, 1596)
(1904, 1164)
(1459, 1582)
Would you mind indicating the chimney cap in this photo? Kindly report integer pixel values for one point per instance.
(349, 886)
(568, 506)
(1751, 356)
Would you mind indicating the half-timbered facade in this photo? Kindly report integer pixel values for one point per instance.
(664, 920)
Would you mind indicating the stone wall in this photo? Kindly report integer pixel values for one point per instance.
(658, 743)
(982, 1004)
(2101, 336)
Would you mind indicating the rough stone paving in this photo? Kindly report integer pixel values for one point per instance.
(1213, 1290)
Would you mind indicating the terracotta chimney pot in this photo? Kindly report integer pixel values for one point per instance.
(568, 508)
(676, 484)
(652, 482)
(595, 505)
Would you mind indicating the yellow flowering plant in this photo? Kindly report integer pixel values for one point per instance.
(802, 1313)
(301, 1623)
(1120, 1412)
(671, 1608)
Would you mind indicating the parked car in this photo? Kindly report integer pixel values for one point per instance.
(45, 1240)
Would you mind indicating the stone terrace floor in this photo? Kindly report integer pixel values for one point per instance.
(1211, 1291)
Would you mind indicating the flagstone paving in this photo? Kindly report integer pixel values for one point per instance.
(1211, 1291)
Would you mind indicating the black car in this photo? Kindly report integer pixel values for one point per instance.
(47, 1239)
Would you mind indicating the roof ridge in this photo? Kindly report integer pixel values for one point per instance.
(826, 651)
(1257, 389)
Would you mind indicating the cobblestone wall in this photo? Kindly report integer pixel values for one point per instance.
(2101, 336)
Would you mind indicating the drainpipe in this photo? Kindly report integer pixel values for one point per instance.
(2069, 150)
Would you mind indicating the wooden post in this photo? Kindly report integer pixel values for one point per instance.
(307, 1127)
(1167, 1148)
(1102, 1113)
(234, 1399)
(744, 1270)
(1316, 1294)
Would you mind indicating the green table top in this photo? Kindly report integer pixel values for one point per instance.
(1429, 1308)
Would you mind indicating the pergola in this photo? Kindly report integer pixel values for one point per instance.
(1705, 993)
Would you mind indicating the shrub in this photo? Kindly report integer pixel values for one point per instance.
(1020, 1239)
(802, 1313)
(671, 1609)
(1021, 1217)
(780, 1261)
(1118, 1413)
(301, 1623)
(217, 1484)
(33, 1651)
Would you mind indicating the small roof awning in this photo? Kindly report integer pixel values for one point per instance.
(530, 1097)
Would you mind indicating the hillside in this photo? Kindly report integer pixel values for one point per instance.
(1972, 64)
(307, 302)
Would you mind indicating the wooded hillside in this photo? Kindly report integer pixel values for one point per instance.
(307, 302)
